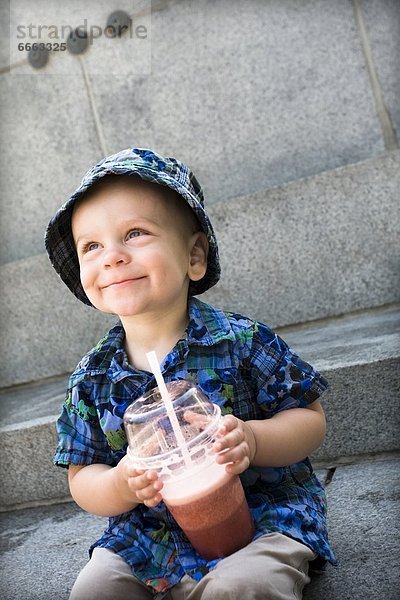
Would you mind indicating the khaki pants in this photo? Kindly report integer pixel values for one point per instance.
(273, 567)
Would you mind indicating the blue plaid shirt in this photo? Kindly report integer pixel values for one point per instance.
(247, 370)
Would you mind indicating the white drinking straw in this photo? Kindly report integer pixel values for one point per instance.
(155, 367)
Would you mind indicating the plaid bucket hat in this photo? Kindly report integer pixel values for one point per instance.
(149, 166)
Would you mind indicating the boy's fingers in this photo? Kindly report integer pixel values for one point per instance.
(149, 492)
(133, 471)
(239, 467)
(200, 421)
(142, 479)
(231, 439)
(229, 422)
(235, 460)
(229, 425)
(153, 501)
(146, 493)
(235, 454)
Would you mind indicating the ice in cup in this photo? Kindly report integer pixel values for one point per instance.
(207, 502)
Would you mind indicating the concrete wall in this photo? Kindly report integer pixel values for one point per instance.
(253, 95)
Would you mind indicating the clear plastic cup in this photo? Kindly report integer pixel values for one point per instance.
(207, 502)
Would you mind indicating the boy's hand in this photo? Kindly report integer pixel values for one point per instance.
(143, 486)
(235, 445)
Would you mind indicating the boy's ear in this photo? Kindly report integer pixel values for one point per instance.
(198, 256)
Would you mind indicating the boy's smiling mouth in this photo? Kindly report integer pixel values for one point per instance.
(122, 282)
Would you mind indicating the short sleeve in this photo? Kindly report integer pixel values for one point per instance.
(284, 380)
(81, 440)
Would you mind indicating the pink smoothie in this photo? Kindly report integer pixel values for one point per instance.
(217, 521)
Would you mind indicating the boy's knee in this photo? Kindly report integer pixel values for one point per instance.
(216, 586)
(280, 584)
(107, 576)
(90, 586)
(224, 589)
(93, 583)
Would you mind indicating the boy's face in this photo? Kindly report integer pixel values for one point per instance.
(136, 253)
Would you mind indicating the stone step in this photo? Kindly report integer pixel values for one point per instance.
(358, 353)
(321, 246)
(363, 509)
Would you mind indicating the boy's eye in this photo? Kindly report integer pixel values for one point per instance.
(90, 246)
(134, 233)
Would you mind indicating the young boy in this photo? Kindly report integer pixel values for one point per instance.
(134, 240)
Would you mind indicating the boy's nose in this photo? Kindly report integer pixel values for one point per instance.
(116, 256)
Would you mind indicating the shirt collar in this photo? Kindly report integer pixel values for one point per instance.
(98, 360)
(207, 326)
